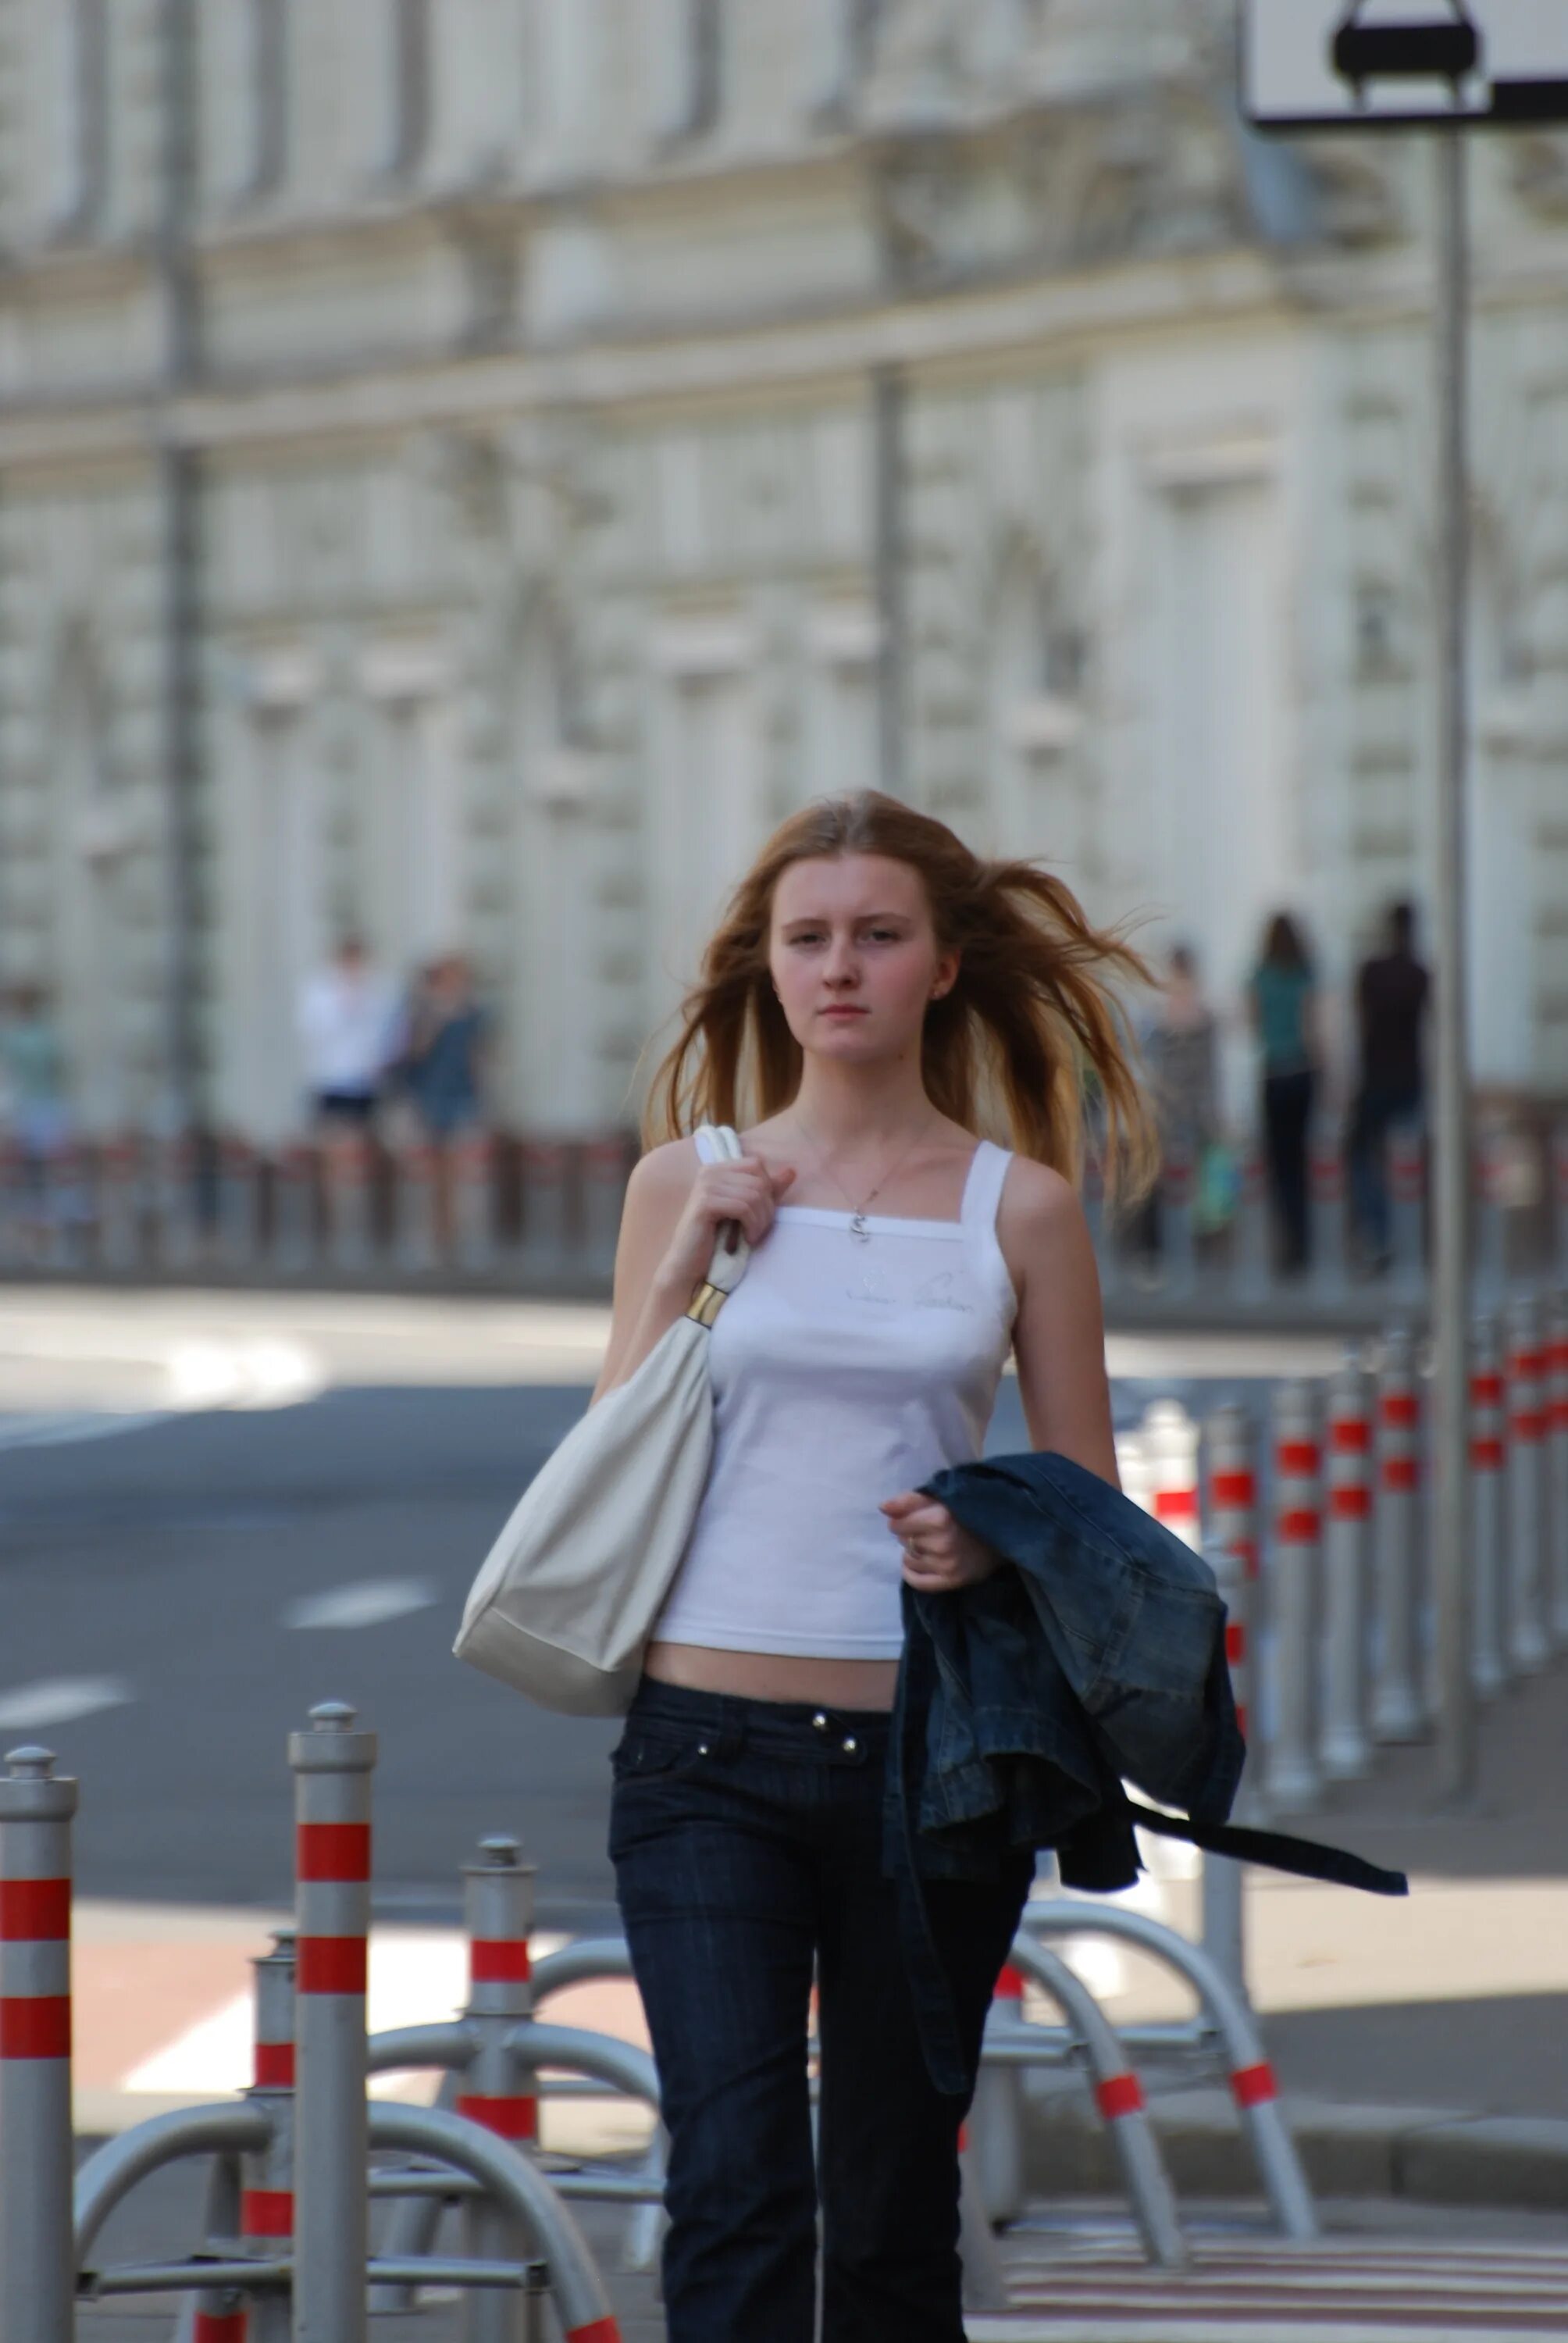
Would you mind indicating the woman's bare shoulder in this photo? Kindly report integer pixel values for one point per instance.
(666, 1169)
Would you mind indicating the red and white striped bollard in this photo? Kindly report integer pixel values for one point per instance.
(1170, 1449)
(1528, 1647)
(1489, 1664)
(1557, 1456)
(332, 1767)
(498, 1901)
(1399, 1703)
(1293, 1777)
(37, 2242)
(1346, 1750)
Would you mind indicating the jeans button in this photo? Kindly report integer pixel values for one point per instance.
(703, 1748)
(821, 1721)
(850, 1746)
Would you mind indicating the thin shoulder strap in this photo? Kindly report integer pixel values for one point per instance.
(982, 1188)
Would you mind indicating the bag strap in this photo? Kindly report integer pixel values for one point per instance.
(719, 1143)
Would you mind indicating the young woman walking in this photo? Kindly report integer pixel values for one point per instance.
(874, 989)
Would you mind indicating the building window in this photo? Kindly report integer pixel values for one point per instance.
(83, 31)
(707, 62)
(692, 67)
(411, 61)
(267, 30)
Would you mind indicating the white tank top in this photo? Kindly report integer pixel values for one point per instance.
(843, 1372)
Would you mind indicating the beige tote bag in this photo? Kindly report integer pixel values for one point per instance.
(568, 1595)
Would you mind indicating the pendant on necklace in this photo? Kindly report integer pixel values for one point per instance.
(858, 1229)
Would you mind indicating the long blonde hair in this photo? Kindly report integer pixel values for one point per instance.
(1030, 1025)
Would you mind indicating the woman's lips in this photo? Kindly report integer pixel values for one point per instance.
(844, 1012)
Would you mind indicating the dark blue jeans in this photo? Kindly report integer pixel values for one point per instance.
(746, 1839)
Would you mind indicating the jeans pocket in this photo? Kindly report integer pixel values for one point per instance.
(658, 1752)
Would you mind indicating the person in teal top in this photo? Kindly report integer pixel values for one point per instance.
(1283, 1000)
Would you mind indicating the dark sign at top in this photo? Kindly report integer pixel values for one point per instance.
(1317, 64)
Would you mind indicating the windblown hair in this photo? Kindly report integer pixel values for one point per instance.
(1030, 1034)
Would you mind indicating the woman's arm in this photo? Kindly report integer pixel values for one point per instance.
(1059, 1334)
(644, 1304)
(676, 1205)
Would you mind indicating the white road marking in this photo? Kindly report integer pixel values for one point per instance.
(60, 1700)
(367, 1602)
(62, 1430)
(416, 1977)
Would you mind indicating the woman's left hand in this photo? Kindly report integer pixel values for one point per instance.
(939, 1555)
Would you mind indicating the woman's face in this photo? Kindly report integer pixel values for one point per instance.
(854, 956)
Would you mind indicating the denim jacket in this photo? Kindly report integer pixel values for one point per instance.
(1025, 1701)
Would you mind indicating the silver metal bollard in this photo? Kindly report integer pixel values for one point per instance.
(266, 2202)
(1171, 1450)
(1557, 1455)
(1399, 1706)
(37, 2250)
(499, 1901)
(1293, 1778)
(1232, 1512)
(332, 1765)
(1345, 1749)
(1527, 1645)
(1488, 1668)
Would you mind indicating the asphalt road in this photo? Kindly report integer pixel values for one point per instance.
(163, 1571)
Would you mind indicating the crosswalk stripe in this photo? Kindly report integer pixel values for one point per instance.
(1261, 2289)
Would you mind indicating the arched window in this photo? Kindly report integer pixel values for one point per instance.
(267, 35)
(411, 86)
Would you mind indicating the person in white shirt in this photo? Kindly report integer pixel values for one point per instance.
(347, 1023)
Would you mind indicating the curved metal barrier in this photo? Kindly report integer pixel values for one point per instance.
(1248, 2073)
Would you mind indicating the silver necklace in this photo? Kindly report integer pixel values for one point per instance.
(857, 1228)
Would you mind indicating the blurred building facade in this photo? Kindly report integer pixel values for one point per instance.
(533, 417)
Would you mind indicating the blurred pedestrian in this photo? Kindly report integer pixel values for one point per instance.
(347, 1023)
(442, 1064)
(1283, 1000)
(37, 1111)
(1180, 1054)
(442, 1070)
(1392, 989)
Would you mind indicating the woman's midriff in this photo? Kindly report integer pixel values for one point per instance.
(774, 1675)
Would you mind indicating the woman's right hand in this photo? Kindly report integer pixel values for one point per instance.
(746, 1192)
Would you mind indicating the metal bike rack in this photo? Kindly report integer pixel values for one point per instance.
(1251, 2078)
(1118, 2094)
